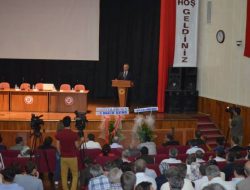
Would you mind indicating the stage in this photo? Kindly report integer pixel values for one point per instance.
(14, 124)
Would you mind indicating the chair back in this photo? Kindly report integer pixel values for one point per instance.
(65, 87)
(25, 86)
(79, 87)
(4, 86)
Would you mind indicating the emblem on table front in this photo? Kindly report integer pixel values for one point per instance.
(28, 99)
(69, 100)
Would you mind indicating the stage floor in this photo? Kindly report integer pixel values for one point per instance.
(91, 116)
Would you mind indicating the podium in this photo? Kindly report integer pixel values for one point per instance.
(122, 87)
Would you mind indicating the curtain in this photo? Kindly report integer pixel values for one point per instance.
(247, 45)
(166, 47)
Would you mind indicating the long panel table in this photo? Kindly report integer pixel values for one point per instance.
(67, 102)
(4, 100)
(42, 101)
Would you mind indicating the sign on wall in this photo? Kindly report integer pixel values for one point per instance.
(187, 12)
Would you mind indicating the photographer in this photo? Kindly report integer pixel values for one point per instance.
(236, 124)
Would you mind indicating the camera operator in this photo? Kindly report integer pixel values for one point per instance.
(236, 124)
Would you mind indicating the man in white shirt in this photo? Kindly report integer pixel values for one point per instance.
(173, 152)
(91, 144)
(140, 167)
(199, 156)
(203, 179)
(194, 148)
(220, 156)
(239, 174)
(115, 143)
(213, 174)
(175, 179)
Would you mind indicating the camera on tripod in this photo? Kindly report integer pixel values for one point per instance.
(80, 122)
(36, 124)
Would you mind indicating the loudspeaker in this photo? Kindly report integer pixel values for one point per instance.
(174, 78)
(189, 77)
(173, 103)
(190, 101)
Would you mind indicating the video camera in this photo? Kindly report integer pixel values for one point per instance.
(232, 109)
(80, 122)
(36, 123)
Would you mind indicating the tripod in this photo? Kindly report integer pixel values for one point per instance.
(37, 137)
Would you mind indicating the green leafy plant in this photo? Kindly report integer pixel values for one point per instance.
(145, 133)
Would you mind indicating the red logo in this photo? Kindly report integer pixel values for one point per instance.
(69, 100)
(28, 99)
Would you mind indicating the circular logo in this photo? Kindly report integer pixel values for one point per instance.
(28, 99)
(121, 91)
(69, 100)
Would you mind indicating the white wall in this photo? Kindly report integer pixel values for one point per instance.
(223, 71)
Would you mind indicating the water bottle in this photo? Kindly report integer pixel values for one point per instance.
(16, 87)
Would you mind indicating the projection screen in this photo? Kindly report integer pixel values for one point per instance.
(49, 29)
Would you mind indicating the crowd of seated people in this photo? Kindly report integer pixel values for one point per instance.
(136, 167)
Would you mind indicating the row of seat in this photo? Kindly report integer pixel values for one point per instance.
(39, 86)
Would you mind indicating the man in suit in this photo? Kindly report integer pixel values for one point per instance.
(125, 74)
(245, 184)
(236, 124)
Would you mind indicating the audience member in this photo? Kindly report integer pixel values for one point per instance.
(173, 174)
(214, 186)
(170, 140)
(220, 142)
(99, 180)
(245, 184)
(125, 155)
(239, 174)
(144, 155)
(91, 144)
(128, 180)
(127, 166)
(199, 156)
(8, 180)
(213, 174)
(19, 145)
(133, 150)
(173, 153)
(149, 144)
(213, 162)
(144, 186)
(116, 142)
(197, 140)
(203, 179)
(229, 167)
(220, 154)
(2, 146)
(67, 146)
(106, 151)
(108, 166)
(163, 167)
(140, 167)
(194, 147)
(47, 144)
(235, 145)
(85, 175)
(29, 180)
(115, 179)
(190, 159)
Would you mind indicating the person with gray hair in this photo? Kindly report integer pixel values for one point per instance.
(176, 180)
(214, 186)
(213, 174)
(128, 180)
(116, 142)
(140, 168)
(99, 180)
(245, 184)
(115, 178)
(173, 152)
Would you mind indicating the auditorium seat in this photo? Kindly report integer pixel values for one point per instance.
(117, 151)
(160, 157)
(91, 153)
(25, 86)
(65, 87)
(80, 87)
(39, 86)
(4, 86)
(103, 159)
(10, 153)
